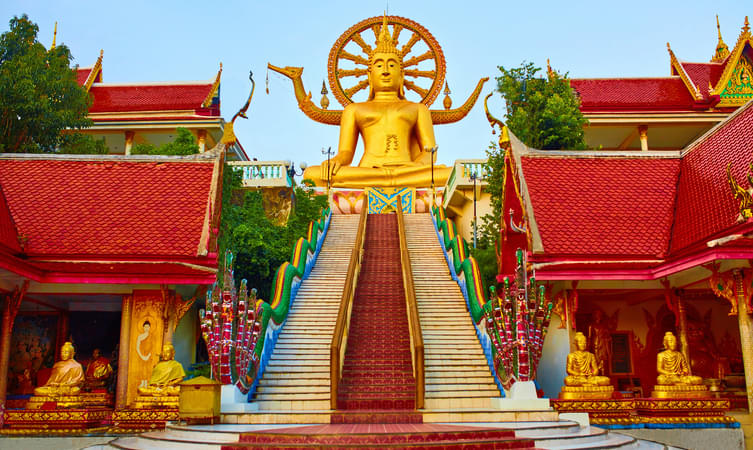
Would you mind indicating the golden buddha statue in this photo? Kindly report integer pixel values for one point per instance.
(583, 380)
(66, 377)
(674, 379)
(64, 385)
(398, 134)
(162, 389)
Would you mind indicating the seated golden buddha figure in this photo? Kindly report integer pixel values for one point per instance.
(64, 385)
(163, 388)
(398, 134)
(583, 380)
(674, 379)
(66, 377)
(98, 371)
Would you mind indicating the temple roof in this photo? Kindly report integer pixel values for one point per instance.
(123, 215)
(607, 206)
(152, 97)
(632, 94)
(8, 231)
(690, 87)
(169, 100)
(641, 209)
(705, 207)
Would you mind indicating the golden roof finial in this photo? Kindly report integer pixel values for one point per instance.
(54, 36)
(746, 26)
(384, 43)
(549, 71)
(721, 48)
(324, 102)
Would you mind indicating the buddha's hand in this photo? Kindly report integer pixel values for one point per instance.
(332, 168)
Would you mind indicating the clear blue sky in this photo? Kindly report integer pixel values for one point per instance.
(167, 40)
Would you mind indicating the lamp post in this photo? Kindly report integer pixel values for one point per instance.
(329, 153)
(433, 151)
(474, 177)
(292, 173)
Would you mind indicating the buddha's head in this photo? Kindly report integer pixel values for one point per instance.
(96, 353)
(385, 65)
(580, 341)
(67, 351)
(168, 352)
(670, 341)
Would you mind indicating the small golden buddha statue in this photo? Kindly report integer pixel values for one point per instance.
(64, 385)
(398, 134)
(97, 371)
(674, 379)
(66, 377)
(583, 380)
(163, 389)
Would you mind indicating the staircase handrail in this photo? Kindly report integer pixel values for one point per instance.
(414, 324)
(267, 317)
(342, 325)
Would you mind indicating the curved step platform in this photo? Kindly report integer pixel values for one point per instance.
(540, 435)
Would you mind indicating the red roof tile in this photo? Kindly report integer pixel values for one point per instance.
(110, 207)
(701, 74)
(8, 232)
(82, 75)
(157, 97)
(634, 94)
(704, 200)
(604, 206)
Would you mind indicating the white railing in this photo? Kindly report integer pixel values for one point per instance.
(460, 177)
(263, 173)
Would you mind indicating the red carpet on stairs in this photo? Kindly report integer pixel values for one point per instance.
(377, 384)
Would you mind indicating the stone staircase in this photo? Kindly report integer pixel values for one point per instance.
(297, 376)
(457, 374)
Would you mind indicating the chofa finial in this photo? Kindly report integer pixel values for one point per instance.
(721, 48)
(54, 36)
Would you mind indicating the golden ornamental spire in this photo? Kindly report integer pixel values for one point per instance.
(722, 51)
(54, 36)
(746, 26)
(384, 43)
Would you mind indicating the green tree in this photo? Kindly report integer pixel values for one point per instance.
(39, 94)
(184, 144)
(544, 113)
(82, 144)
(259, 245)
(489, 228)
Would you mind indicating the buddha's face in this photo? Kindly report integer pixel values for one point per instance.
(580, 342)
(168, 352)
(96, 353)
(386, 72)
(670, 342)
(66, 353)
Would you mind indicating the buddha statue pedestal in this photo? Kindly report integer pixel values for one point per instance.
(586, 392)
(679, 391)
(59, 407)
(167, 401)
(157, 403)
(141, 420)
